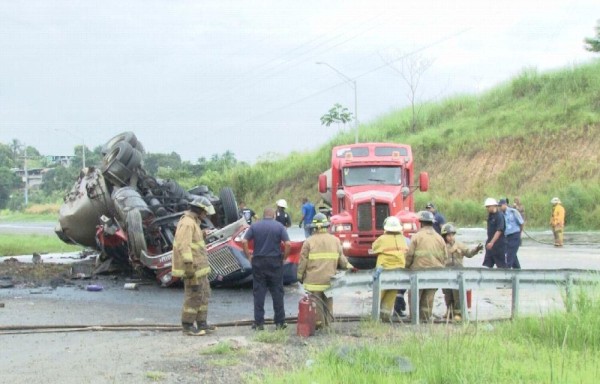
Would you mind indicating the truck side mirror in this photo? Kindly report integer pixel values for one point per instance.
(423, 181)
(322, 183)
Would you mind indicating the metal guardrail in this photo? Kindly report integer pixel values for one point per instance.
(461, 279)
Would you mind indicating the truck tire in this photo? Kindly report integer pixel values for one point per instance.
(230, 207)
(135, 234)
(128, 137)
(116, 172)
(121, 151)
(135, 160)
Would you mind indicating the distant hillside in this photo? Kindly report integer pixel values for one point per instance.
(536, 137)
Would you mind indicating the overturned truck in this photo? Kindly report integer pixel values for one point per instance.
(131, 218)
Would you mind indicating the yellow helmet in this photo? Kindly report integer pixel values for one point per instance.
(203, 203)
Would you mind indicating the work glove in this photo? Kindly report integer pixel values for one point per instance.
(377, 273)
(189, 271)
(478, 248)
(300, 225)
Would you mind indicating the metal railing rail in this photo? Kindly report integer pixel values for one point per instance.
(461, 279)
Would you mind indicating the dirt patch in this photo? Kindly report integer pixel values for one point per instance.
(33, 274)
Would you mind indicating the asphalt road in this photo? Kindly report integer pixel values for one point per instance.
(24, 228)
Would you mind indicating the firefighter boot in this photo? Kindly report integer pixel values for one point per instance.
(190, 330)
(204, 326)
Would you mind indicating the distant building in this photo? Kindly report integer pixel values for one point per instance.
(63, 160)
(35, 176)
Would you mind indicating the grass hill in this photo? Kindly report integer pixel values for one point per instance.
(536, 136)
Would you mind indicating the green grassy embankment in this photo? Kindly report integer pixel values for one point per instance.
(556, 348)
(13, 245)
(536, 136)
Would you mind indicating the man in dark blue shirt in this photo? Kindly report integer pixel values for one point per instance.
(247, 213)
(495, 246)
(308, 212)
(439, 219)
(267, 266)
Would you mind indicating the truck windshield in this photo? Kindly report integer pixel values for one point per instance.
(354, 176)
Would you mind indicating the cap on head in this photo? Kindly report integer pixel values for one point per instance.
(425, 217)
(448, 229)
(203, 203)
(502, 202)
(281, 203)
(555, 200)
(320, 221)
(392, 224)
(489, 202)
(430, 205)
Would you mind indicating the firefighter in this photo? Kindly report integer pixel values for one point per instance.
(190, 262)
(281, 215)
(320, 257)
(557, 221)
(390, 249)
(456, 252)
(427, 250)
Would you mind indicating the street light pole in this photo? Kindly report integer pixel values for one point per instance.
(77, 137)
(352, 83)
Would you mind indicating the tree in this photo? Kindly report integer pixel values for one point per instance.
(8, 182)
(337, 114)
(593, 43)
(411, 68)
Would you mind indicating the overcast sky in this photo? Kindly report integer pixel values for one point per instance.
(202, 77)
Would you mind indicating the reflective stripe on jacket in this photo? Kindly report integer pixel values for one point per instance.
(189, 247)
(320, 257)
(390, 250)
(456, 253)
(427, 250)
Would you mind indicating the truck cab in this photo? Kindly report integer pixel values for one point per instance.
(366, 183)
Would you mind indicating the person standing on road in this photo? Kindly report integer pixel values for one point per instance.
(519, 207)
(390, 249)
(308, 213)
(427, 250)
(281, 215)
(456, 252)
(267, 266)
(438, 218)
(320, 257)
(247, 213)
(513, 231)
(495, 244)
(557, 221)
(190, 262)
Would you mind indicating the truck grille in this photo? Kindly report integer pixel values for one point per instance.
(222, 263)
(365, 215)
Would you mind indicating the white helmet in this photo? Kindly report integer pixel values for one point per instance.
(281, 203)
(392, 224)
(555, 200)
(489, 202)
(203, 203)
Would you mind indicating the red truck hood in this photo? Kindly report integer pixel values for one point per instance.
(363, 193)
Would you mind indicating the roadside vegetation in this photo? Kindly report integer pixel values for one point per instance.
(556, 348)
(535, 136)
(12, 245)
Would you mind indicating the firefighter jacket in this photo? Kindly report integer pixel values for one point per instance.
(457, 252)
(427, 250)
(189, 250)
(390, 250)
(320, 257)
(558, 216)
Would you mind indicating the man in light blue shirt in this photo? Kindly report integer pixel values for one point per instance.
(308, 212)
(514, 227)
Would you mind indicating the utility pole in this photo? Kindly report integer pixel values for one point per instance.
(352, 83)
(26, 192)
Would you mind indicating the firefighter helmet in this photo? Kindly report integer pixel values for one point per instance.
(203, 203)
(490, 202)
(448, 228)
(392, 224)
(320, 221)
(281, 203)
(555, 200)
(426, 217)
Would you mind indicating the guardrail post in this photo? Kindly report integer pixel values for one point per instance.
(514, 310)
(462, 292)
(569, 288)
(376, 299)
(414, 299)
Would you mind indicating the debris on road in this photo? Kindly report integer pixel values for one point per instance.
(94, 288)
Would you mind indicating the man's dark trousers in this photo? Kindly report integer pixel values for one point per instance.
(267, 273)
(513, 241)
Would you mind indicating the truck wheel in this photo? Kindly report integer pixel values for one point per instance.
(135, 160)
(230, 207)
(135, 234)
(116, 172)
(128, 137)
(122, 151)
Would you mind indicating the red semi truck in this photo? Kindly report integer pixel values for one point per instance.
(366, 183)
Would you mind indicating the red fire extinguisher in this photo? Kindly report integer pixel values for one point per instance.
(307, 316)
